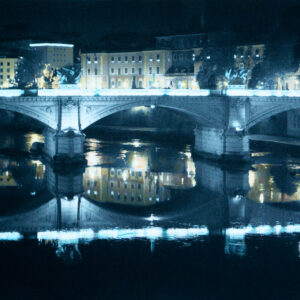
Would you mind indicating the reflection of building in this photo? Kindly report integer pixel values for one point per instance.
(8, 66)
(6, 179)
(291, 81)
(264, 186)
(132, 186)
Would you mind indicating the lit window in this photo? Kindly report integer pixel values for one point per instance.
(95, 60)
(150, 58)
(208, 57)
(126, 60)
(112, 59)
(88, 60)
(157, 57)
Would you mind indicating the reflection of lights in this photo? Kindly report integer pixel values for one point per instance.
(93, 158)
(32, 138)
(261, 198)
(152, 106)
(152, 218)
(125, 175)
(10, 236)
(177, 233)
(139, 163)
(136, 144)
(66, 236)
(251, 178)
(11, 93)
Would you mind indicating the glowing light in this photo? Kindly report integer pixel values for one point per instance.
(238, 233)
(152, 106)
(68, 236)
(11, 93)
(136, 144)
(261, 198)
(51, 45)
(152, 217)
(10, 236)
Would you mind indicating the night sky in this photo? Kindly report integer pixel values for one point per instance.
(90, 22)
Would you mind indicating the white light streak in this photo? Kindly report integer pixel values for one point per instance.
(10, 236)
(11, 93)
(51, 45)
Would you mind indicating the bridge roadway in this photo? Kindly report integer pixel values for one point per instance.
(222, 118)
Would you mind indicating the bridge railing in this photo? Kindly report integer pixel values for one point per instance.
(149, 92)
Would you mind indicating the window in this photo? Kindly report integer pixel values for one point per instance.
(140, 84)
(175, 57)
(95, 60)
(150, 70)
(150, 58)
(112, 70)
(1, 82)
(119, 71)
(1, 63)
(132, 186)
(89, 72)
(157, 57)
(140, 174)
(113, 83)
(132, 58)
(139, 186)
(88, 60)
(126, 60)
(111, 184)
(119, 59)
(140, 59)
(1, 70)
(8, 70)
(118, 196)
(125, 197)
(125, 185)
(112, 59)
(140, 71)
(139, 198)
(8, 63)
(119, 84)
(126, 70)
(96, 71)
(8, 76)
(157, 70)
(1, 76)
(132, 70)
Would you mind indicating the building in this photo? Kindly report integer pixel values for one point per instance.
(8, 67)
(54, 54)
(124, 70)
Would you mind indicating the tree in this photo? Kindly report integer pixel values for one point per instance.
(29, 68)
(69, 75)
(215, 63)
(279, 59)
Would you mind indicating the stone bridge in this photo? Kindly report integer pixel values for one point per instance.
(221, 121)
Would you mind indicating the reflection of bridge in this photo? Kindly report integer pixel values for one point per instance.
(222, 120)
(216, 203)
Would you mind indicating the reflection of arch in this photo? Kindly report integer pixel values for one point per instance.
(199, 116)
(265, 114)
(27, 110)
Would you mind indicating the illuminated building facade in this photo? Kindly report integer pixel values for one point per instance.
(171, 65)
(54, 54)
(8, 66)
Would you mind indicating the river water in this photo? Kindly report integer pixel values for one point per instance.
(147, 220)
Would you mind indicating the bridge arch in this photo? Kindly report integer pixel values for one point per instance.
(29, 111)
(272, 111)
(193, 111)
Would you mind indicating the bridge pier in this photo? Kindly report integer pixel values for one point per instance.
(220, 144)
(64, 147)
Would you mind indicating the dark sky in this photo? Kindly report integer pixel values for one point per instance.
(87, 21)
